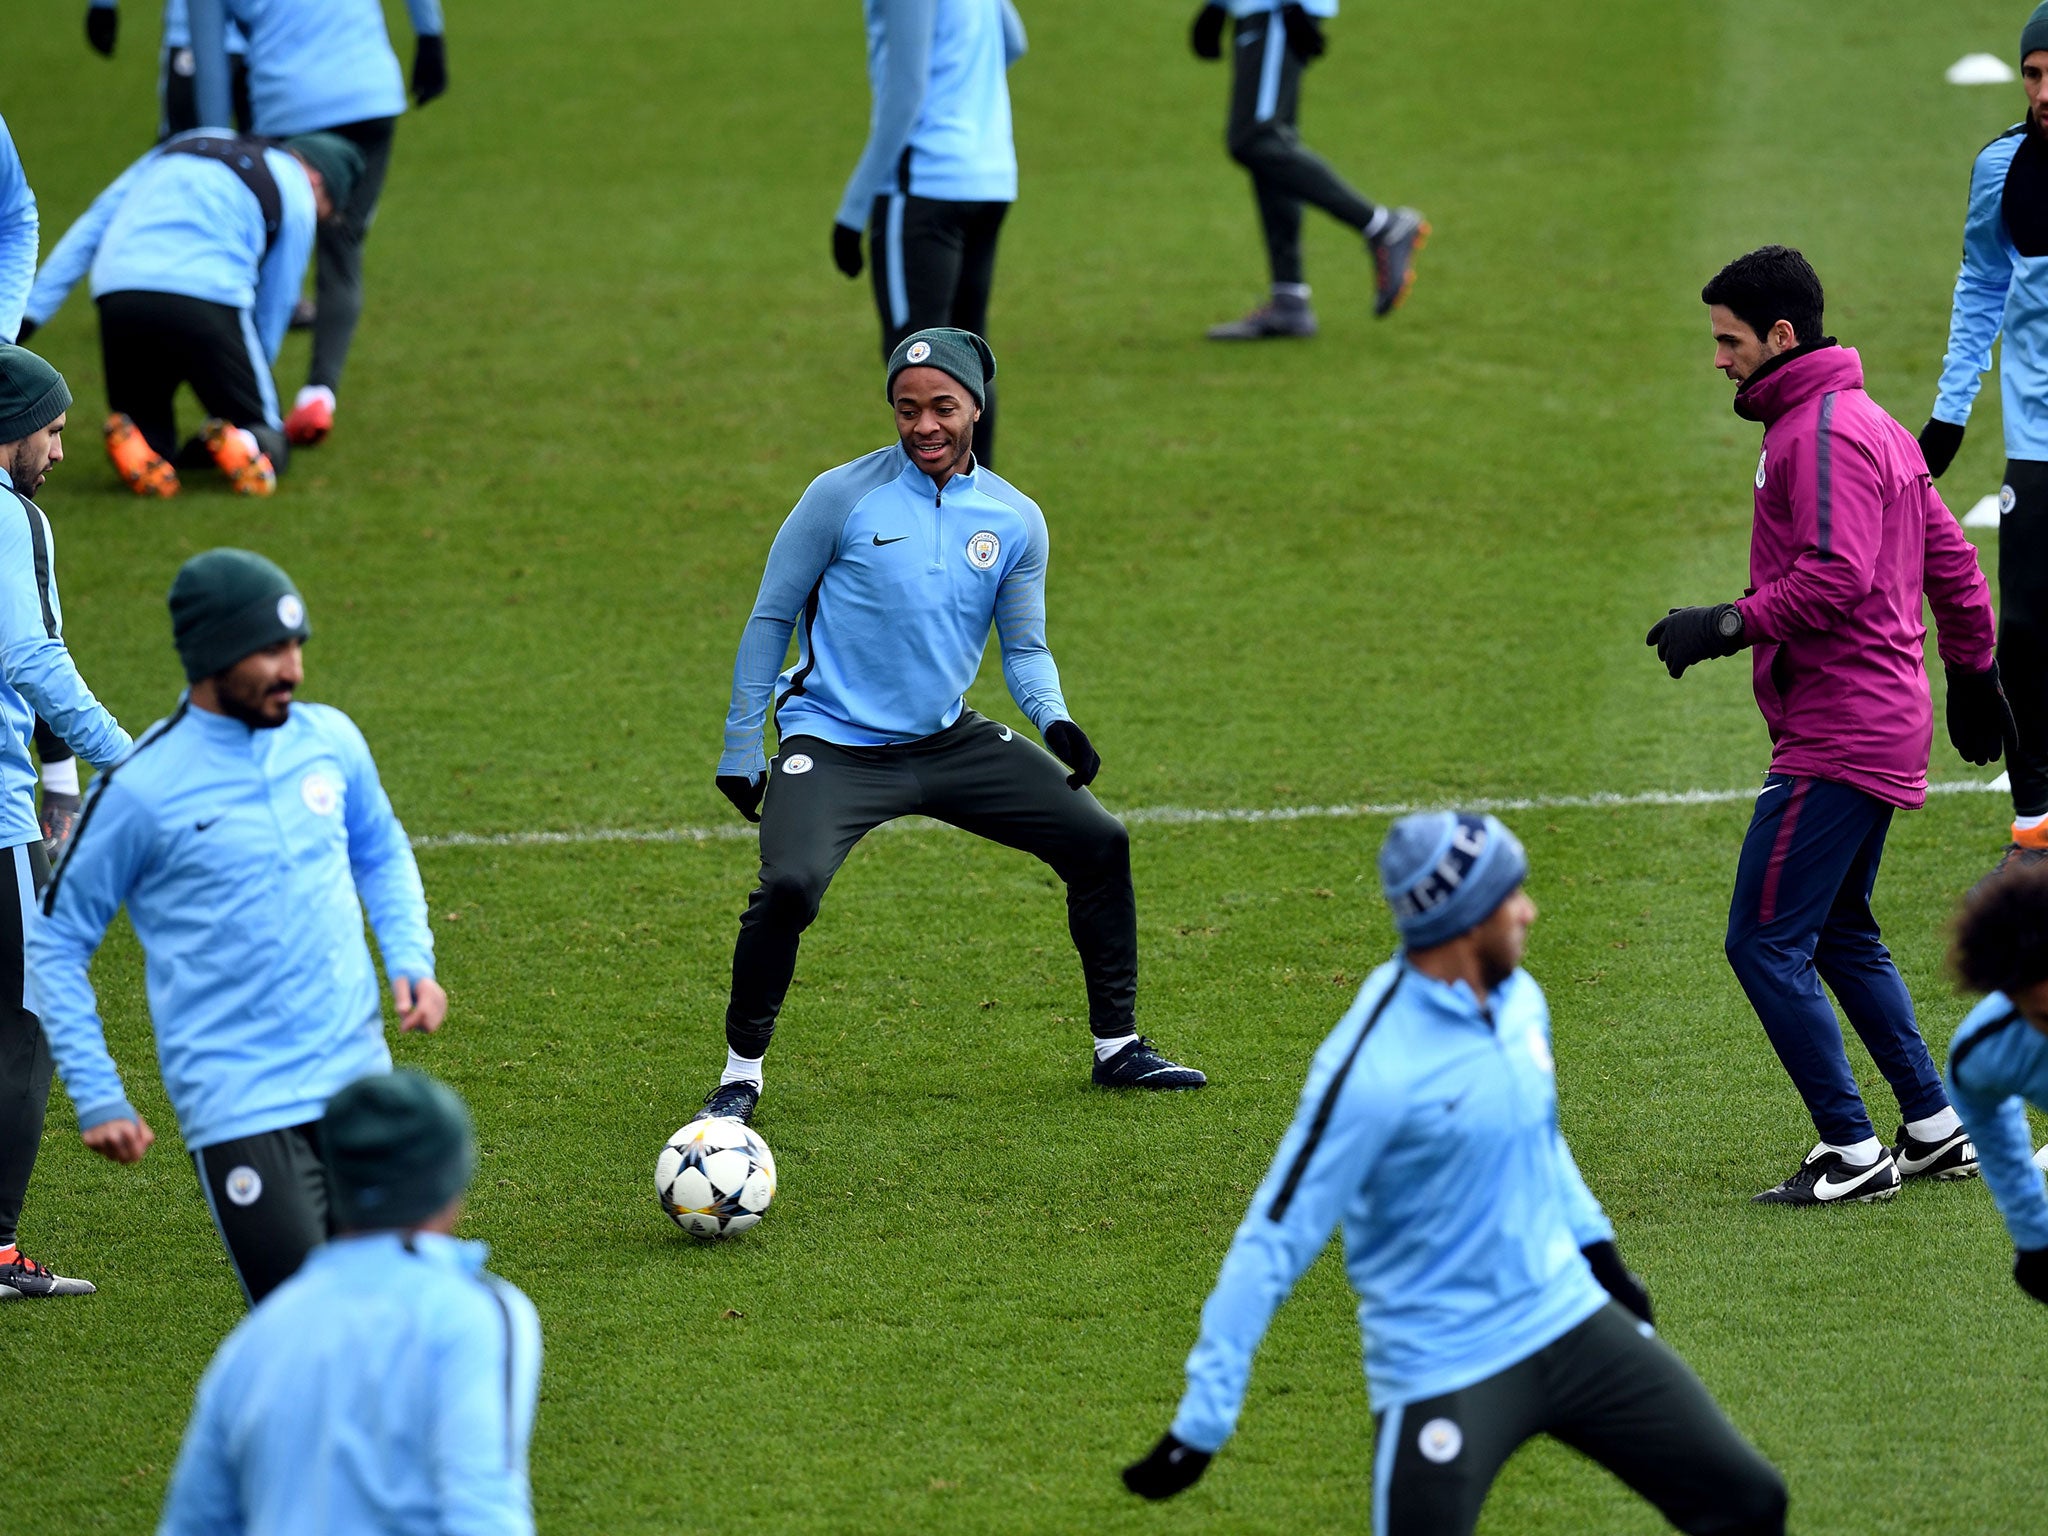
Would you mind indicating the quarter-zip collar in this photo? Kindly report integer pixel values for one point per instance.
(1800, 374)
(1453, 997)
(223, 729)
(922, 484)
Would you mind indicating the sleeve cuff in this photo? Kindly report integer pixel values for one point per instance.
(100, 1114)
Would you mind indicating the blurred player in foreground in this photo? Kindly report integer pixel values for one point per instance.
(1494, 1305)
(389, 1385)
(2002, 287)
(1848, 537)
(245, 834)
(896, 565)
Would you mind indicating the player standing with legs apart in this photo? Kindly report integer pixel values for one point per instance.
(1494, 1304)
(195, 254)
(389, 1385)
(2003, 287)
(1270, 45)
(37, 677)
(896, 565)
(323, 66)
(1848, 537)
(939, 170)
(245, 835)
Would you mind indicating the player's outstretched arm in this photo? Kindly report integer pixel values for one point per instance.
(387, 878)
(72, 256)
(1977, 312)
(907, 30)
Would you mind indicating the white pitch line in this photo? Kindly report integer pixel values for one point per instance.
(1172, 816)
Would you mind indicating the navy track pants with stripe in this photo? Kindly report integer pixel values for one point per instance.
(1800, 917)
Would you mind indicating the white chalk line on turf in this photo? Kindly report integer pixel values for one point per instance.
(1175, 815)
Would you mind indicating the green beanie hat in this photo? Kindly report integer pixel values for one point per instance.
(397, 1147)
(2035, 33)
(339, 162)
(230, 603)
(32, 394)
(960, 354)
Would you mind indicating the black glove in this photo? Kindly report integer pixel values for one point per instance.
(2029, 1272)
(846, 249)
(744, 791)
(101, 23)
(1617, 1279)
(1939, 441)
(1171, 1467)
(1070, 745)
(1979, 715)
(1687, 636)
(28, 329)
(1206, 36)
(1304, 32)
(429, 68)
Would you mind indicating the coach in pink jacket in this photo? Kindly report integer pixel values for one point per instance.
(1848, 537)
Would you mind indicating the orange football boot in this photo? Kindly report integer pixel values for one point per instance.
(234, 449)
(141, 467)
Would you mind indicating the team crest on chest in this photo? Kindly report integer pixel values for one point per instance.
(319, 793)
(983, 550)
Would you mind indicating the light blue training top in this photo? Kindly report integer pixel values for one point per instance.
(895, 585)
(940, 122)
(386, 1389)
(1428, 1130)
(18, 236)
(1323, 8)
(312, 63)
(246, 859)
(1997, 1065)
(1998, 292)
(187, 224)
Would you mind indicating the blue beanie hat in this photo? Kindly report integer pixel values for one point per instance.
(1444, 873)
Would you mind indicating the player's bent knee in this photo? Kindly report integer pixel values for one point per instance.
(792, 896)
(1256, 146)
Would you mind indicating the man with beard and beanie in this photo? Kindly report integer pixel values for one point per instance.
(390, 1384)
(37, 678)
(1848, 538)
(895, 566)
(2002, 288)
(246, 834)
(195, 255)
(1494, 1304)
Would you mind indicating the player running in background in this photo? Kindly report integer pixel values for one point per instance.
(2002, 287)
(938, 172)
(177, 97)
(245, 835)
(196, 253)
(1848, 537)
(1270, 45)
(37, 677)
(1494, 1304)
(896, 565)
(1998, 1060)
(323, 66)
(390, 1385)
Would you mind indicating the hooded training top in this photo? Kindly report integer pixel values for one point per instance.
(188, 224)
(388, 1387)
(37, 674)
(19, 232)
(940, 123)
(1428, 1129)
(246, 859)
(1997, 1065)
(896, 585)
(313, 64)
(2002, 287)
(1848, 535)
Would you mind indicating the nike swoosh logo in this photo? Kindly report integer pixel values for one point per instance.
(1825, 1187)
(1909, 1164)
(880, 541)
(1767, 789)
(201, 826)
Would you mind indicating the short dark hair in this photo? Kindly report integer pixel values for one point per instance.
(2000, 942)
(1770, 284)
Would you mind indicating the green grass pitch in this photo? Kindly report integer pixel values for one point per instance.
(1410, 561)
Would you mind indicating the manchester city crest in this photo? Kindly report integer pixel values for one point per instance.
(983, 550)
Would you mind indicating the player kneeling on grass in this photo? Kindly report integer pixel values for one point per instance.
(245, 835)
(1494, 1304)
(897, 564)
(390, 1384)
(196, 254)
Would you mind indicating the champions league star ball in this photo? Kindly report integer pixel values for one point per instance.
(715, 1178)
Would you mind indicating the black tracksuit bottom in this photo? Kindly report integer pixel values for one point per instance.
(933, 263)
(976, 775)
(2023, 628)
(150, 343)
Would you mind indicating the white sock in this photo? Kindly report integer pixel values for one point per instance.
(1859, 1154)
(741, 1069)
(61, 776)
(1376, 223)
(1104, 1049)
(1291, 291)
(1935, 1127)
(2028, 823)
(313, 392)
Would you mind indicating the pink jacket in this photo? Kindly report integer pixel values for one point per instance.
(1849, 534)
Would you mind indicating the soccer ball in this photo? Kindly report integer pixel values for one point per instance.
(715, 1177)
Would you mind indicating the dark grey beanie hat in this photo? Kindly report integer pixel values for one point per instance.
(960, 354)
(398, 1147)
(32, 393)
(339, 162)
(231, 603)
(2035, 33)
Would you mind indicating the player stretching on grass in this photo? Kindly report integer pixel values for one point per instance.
(896, 565)
(1494, 1304)
(245, 837)
(1848, 536)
